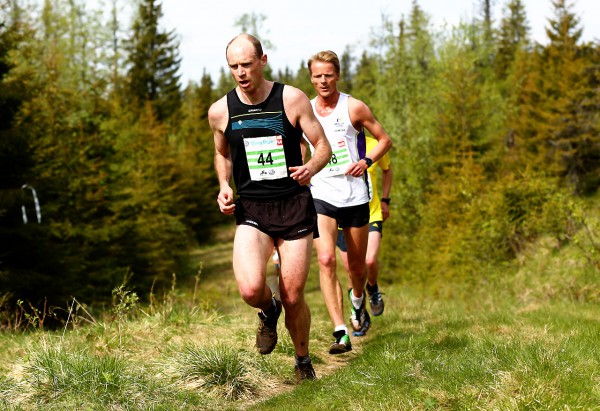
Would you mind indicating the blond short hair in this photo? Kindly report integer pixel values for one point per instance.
(326, 56)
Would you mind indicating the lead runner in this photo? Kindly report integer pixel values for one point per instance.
(257, 130)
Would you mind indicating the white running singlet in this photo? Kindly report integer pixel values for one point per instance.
(348, 146)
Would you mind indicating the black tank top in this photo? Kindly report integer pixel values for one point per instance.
(263, 145)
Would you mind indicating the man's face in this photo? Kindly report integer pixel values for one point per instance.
(245, 66)
(324, 78)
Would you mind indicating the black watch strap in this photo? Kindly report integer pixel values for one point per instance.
(368, 161)
(386, 200)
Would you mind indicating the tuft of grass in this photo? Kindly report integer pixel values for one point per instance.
(218, 368)
(55, 372)
(60, 377)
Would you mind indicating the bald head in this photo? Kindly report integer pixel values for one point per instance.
(246, 38)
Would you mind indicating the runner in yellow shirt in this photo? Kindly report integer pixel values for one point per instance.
(379, 212)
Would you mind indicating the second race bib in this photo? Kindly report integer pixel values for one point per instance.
(340, 158)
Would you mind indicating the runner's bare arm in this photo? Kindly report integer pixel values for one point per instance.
(362, 117)
(386, 187)
(217, 118)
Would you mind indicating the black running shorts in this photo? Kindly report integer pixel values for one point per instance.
(290, 218)
(353, 216)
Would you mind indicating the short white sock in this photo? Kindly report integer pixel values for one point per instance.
(341, 327)
(357, 301)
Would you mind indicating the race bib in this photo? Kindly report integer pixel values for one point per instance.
(340, 159)
(266, 158)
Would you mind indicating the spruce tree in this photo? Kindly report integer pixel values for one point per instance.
(365, 80)
(486, 13)
(286, 76)
(570, 100)
(225, 82)
(346, 71)
(154, 62)
(195, 164)
(302, 80)
(513, 33)
(15, 153)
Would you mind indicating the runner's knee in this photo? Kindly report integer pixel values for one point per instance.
(253, 295)
(327, 259)
(371, 263)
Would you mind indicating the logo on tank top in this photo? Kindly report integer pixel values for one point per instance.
(274, 122)
(257, 143)
(339, 126)
(254, 110)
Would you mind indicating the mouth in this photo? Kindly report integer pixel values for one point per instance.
(244, 83)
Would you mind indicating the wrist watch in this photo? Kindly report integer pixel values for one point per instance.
(368, 161)
(386, 200)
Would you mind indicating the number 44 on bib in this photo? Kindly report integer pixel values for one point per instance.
(266, 158)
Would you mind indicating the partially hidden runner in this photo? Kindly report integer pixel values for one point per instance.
(379, 212)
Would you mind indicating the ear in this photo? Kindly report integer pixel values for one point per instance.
(263, 60)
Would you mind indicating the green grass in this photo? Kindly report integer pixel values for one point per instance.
(451, 355)
(221, 368)
(525, 339)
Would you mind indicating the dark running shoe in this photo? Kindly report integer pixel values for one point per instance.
(341, 344)
(266, 335)
(357, 316)
(304, 372)
(376, 303)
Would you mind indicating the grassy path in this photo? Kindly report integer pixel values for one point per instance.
(494, 349)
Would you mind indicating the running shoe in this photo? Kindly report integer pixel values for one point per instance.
(304, 372)
(341, 343)
(376, 303)
(357, 316)
(366, 325)
(266, 335)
